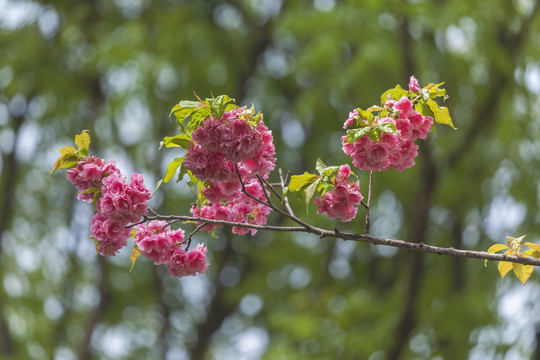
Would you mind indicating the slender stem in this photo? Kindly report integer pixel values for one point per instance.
(285, 197)
(270, 205)
(368, 205)
(322, 233)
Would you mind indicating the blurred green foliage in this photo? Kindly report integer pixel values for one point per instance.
(117, 68)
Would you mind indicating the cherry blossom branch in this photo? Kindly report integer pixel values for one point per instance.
(365, 238)
(269, 203)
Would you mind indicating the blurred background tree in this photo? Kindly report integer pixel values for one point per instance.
(118, 67)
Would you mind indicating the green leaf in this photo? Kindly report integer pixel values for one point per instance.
(395, 94)
(218, 105)
(310, 192)
(158, 185)
(328, 173)
(366, 115)
(387, 127)
(301, 181)
(440, 114)
(193, 181)
(184, 111)
(355, 134)
(523, 272)
(196, 118)
(83, 143)
(320, 166)
(435, 91)
(174, 109)
(172, 167)
(190, 104)
(180, 140)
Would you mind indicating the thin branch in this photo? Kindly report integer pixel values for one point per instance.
(188, 239)
(272, 206)
(368, 205)
(263, 188)
(420, 247)
(285, 200)
(270, 187)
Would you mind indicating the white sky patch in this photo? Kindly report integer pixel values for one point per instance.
(532, 78)
(250, 344)
(16, 14)
(460, 38)
(29, 138)
(195, 289)
(134, 122)
(324, 5)
(504, 216)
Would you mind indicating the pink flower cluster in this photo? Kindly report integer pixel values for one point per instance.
(187, 263)
(340, 202)
(220, 144)
(88, 173)
(235, 207)
(392, 151)
(117, 202)
(157, 241)
(218, 148)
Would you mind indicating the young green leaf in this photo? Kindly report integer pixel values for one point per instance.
(435, 91)
(172, 167)
(301, 181)
(395, 94)
(355, 134)
(83, 143)
(387, 127)
(218, 105)
(180, 140)
(68, 158)
(320, 166)
(310, 192)
(440, 114)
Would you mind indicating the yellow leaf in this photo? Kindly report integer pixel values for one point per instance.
(433, 86)
(67, 159)
(504, 267)
(532, 246)
(533, 253)
(495, 248)
(67, 150)
(514, 243)
(135, 253)
(83, 140)
(523, 272)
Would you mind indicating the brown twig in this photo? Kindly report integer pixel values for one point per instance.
(366, 238)
(368, 205)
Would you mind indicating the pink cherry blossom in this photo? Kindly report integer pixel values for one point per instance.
(182, 263)
(340, 202)
(413, 84)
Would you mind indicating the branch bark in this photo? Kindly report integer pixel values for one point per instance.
(365, 238)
